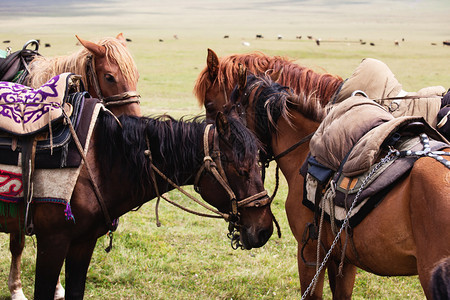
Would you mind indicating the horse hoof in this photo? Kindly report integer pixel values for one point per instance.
(18, 295)
(59, 294)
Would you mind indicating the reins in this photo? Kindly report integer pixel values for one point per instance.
(115, 100)
(213, 165)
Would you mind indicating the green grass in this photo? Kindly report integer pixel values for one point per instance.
(189, 256)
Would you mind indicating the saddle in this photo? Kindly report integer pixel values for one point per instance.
(14, 66)
(346, 149)
(36, 127)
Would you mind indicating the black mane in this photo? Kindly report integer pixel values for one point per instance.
(176, 145)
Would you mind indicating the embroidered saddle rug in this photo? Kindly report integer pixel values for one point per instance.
(49, 185)
(36, 127)
(25, 112)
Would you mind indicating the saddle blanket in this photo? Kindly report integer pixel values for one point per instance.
(24, 110)
(49, 185)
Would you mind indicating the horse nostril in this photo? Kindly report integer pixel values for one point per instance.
(264, 235)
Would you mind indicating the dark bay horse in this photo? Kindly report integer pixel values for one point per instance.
(110, 74)
(219, 159)
(106, 67)
(404, 235)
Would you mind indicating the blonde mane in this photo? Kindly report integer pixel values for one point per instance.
(42, 68)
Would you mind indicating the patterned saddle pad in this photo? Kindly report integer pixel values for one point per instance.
(25, 111)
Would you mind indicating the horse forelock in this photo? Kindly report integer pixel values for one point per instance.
(278, 100)
(117, 53)
(244, 143)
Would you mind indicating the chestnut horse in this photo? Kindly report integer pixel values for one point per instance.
(106, 67)
(410, 237)
(110, 74)
(219, 78)
(120, 174)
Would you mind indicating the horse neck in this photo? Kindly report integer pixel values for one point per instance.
(177, 156)
(289, 132)
(124, 168)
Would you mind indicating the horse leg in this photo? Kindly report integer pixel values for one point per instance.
(16, 245)
(59, 291)
(77, 264)
(341, 285)
(430, 208)
(51, 251)
(307, 273)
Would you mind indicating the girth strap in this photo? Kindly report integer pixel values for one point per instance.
(28, 154)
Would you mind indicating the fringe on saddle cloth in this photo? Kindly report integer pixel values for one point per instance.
(348, 143)
(49, 185)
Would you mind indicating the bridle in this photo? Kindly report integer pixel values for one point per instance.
(115, 100)
(212, 164)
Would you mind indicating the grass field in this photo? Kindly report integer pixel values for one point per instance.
(189, 256)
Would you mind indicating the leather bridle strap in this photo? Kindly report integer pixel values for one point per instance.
(214, 166)
(115, 100)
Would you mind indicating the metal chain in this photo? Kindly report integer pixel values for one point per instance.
(426, 152)
(392, 154)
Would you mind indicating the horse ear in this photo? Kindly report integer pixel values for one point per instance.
(222, 125)
(275, 75)
(95, 49)
(212, 61)
(242, 77)
(121, 39)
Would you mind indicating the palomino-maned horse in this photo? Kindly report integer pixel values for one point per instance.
(120, 174)
(106, 67)
(110, 74)
(404, 235)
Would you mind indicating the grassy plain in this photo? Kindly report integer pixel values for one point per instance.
(189, 256)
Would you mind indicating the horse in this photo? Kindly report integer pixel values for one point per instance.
(110, 73)
(106, 67)
(216, 81)
(409, 237)
(122, 171)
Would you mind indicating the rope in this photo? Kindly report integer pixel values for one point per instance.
(390, 156)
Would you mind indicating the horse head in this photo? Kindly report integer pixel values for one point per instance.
(242, 197)
(112, 75)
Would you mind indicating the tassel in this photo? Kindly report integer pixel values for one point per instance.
(8, 209)
(68, 213)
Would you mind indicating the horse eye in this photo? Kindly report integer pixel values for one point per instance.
(110, 78)
(244, 173)
(210, 107)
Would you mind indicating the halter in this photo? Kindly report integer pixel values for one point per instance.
(212, 164)
(115, 100)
